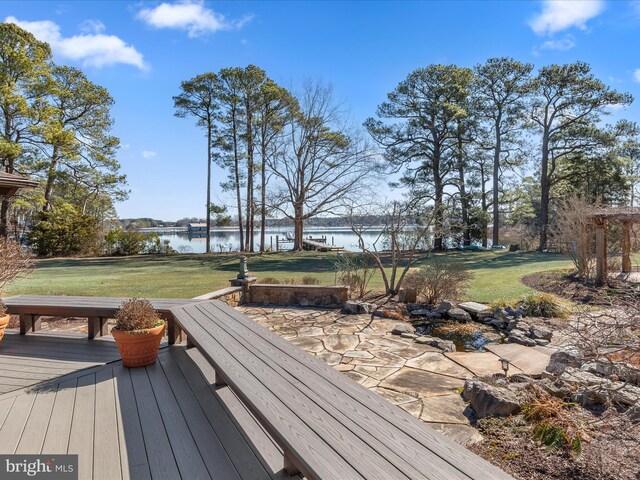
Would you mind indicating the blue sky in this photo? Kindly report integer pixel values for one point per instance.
(140, 51)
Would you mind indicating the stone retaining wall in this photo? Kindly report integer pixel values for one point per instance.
(303, 295)
(232, 296)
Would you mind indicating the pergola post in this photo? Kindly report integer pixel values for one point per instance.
(626, 246)
(601, 251)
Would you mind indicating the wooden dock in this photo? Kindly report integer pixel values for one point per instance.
(318, 246)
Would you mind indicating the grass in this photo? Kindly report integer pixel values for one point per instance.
(496, 275)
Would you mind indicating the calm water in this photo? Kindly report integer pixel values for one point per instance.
(228, 240)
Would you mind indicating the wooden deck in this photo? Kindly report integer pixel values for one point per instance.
(165, 421)
(28, 360)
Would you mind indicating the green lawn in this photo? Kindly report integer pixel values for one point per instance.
(496, 275)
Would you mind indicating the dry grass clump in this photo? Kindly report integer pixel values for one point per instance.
(543, 305)
(310, 280)
(454, 328)
(553, 423)
(137, 314)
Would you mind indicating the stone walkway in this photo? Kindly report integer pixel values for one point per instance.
(418, 378)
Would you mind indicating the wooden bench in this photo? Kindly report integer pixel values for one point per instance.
(328, 426)
(97, 310)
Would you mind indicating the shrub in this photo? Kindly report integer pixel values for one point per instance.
(65, 231)
(354, 271)
(572, 224)
(136, 314)
(15, 262)
(437, 281)
(310, 280)
(543, 305)
(270, 281)
(124, 242)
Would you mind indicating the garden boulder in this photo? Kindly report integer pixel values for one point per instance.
(489, 400)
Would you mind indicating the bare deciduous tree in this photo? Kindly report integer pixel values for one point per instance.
(323, 163)
(15, 262)
(404, 234)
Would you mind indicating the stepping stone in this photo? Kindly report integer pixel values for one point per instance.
(438, 363)
(394, 397)
(357, 354)
(308, 344)
(414, 350)
(463, 434)
(344, 367)
(339, 343)
(530, 360)
(444, 409)
(424, 384)
(473, 307)
(480, 363)
(310, 331)
(379, 373)
(330, 358)
(358, 377)
(414, 408)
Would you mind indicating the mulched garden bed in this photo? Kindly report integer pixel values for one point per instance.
(610, 452)
(566, 285)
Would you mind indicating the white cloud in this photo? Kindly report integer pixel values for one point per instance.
(563, 44)
(636, 75)
(92, 26)
(149, 154)
(191, 16)
(616, 106)
(92, 49)
(559, 15)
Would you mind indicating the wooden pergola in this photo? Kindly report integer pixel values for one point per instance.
(600, 219)
(11, 183)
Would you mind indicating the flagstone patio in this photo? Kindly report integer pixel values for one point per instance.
(420, 379)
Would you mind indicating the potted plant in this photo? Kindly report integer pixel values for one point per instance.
(137, 332)
(4, 319)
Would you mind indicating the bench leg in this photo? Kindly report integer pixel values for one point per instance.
(98, 326)
(190, 344)
(27, 323)
(289, 466)
(218, 379)
(174, 332)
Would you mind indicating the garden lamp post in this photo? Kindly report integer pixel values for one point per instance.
(504, 361)
(244, 271)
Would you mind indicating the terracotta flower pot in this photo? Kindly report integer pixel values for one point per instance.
(139, 348)
(4, 321)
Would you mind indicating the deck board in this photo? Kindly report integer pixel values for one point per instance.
(27, 360)
(160, 422)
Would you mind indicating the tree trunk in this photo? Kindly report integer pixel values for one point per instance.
(4, 214)
(438, 214)
(545, 190)
(464, 198)
(209, 188)
(485, 208)
(48, 190)
(263, 198)
(496, 186)
(249, 219)
(298, 223)
(236, 171)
